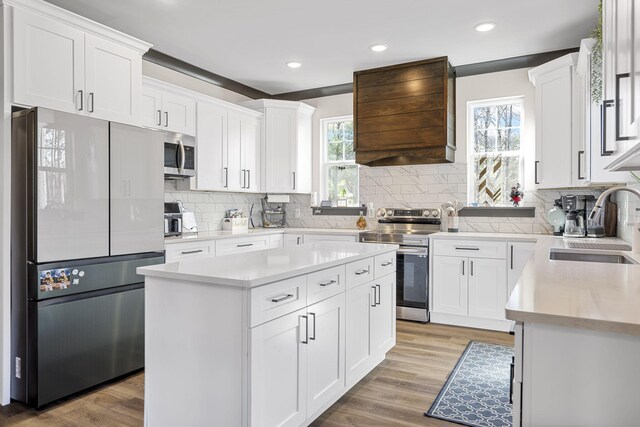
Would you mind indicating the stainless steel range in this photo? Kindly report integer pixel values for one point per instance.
(409, 228)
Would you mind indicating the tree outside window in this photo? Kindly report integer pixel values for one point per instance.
(495, 154)
(340, 171)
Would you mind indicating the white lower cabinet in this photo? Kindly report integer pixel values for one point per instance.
(472, 290)
(371, 324)
(329, 238)
(293, 240)
(279, 371)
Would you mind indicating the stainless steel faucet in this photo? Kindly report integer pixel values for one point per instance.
(597, 209)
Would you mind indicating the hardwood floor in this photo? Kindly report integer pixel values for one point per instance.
(396, 393)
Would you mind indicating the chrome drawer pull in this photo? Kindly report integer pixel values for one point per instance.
(330, 282)
(282, 298)
(244, 245)
(386, 264)
(361, 272)
(197, 251)
(462, 248)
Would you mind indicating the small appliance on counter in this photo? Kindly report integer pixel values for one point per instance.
(576, 208)
(172, 219)
(556, 217)
(189, 224)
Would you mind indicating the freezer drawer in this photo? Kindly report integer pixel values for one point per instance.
(83, 342)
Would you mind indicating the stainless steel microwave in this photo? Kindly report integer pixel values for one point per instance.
(179, 156)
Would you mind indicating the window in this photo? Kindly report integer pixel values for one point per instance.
(495, 153)
(339, 169)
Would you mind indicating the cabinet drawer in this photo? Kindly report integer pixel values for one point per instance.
(470, 248)
(277, 299)
(240, 245)
(179, 251)
(384, 264)
(324, 284)
(359, 272)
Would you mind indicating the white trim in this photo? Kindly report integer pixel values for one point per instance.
(268, 103)
(470, 322)
(519, 99)
(569, 60)
(69, 18)
(323, 156)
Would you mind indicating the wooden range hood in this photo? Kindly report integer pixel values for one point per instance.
(405, 114)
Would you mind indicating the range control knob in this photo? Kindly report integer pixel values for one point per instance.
(425, 213)
(382, 211)
(389, 212)
(434, 214)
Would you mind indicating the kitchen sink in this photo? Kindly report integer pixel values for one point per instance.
(590, 257)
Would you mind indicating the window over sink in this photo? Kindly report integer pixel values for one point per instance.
(340, 173)
(495, 156)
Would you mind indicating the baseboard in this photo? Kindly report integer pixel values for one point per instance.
(471, 322)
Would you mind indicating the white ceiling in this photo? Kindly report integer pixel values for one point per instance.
(250, 40)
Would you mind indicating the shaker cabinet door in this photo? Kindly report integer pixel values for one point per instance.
(450, 285)
(487, 288)
(383, 315)
(113, 81)
(48, 59)
(280, 155)
(358, 321)
(178, 113)
(151, 108)
(212, 170)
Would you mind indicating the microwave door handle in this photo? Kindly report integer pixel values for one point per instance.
(182, 156)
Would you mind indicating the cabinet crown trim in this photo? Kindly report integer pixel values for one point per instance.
(80, 22)
(269, 103)
(569, 60)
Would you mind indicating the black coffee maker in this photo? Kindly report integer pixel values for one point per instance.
(576, 208)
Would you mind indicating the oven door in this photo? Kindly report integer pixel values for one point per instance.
(412, 280)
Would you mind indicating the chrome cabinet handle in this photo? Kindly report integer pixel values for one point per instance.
(361, 272)
(248, 178)
(226, 177)
(313, 338)
(166, 119)
(159, 117)
(463, 267)
(244, 245)
(536, 171)
(512, 257)
(375, 298)
(81, 92)
(471, 262)
(386, 264)
(379, 293)
(466, 248)
(294, 180)
(306, 336)
(330, 282)
(91, 102)
(282, 298)
(192, 252)
(580, 153)
(244, 178)
(298, 240)
(603, 127)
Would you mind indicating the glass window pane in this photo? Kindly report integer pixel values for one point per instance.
(484, 117)
(508, 139)
(334, 151)
(333, 132)
(484, 141)
(342, 183)
(349, 154)
(508, 115)
(348, 130)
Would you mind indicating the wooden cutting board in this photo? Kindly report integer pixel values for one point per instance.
(610, 218)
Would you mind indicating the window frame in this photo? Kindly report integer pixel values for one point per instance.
(517, 99)
(325, 163)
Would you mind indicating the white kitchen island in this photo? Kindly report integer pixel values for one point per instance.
(269, 338)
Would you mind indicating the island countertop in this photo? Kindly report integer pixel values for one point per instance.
(266, 266)
(589, 295)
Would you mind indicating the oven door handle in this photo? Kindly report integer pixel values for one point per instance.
(413, 252)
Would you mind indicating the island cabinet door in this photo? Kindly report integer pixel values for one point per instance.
(450, 284)
(383, 315)
(326, 352)
(279, 371)
(359, 357)
(487, 288)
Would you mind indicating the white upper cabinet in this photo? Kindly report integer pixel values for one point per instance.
(167, 107)
(113, 80)
(286, 145)
(68, 63)
(553, 83)
(228, 142)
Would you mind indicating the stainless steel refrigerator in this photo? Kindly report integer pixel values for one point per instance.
(87, 203)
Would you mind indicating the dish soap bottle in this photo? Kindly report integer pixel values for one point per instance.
(361, 223)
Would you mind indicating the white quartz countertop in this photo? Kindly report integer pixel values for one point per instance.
(225, 234)
(590, 295)
(266, 266)
(512, 237)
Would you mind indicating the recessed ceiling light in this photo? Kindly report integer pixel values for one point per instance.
(294, 64)
(379, 47)
(485, 26)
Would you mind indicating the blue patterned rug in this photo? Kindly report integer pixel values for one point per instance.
(477, 391)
